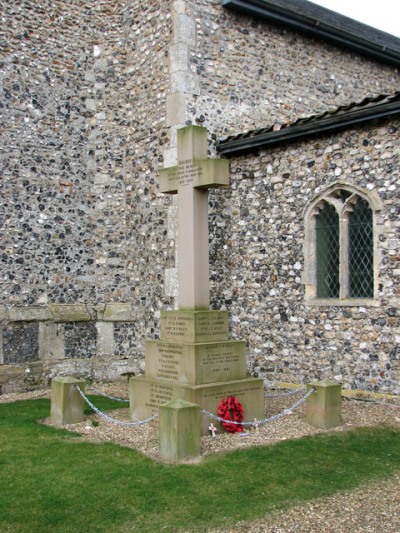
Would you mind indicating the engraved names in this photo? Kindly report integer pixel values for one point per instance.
(176, 325)
(209, 325)
(196, 363)
(200, 326)
(237, 391)
(159, 394)
(169, 357)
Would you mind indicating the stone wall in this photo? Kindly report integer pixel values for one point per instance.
(262, 242)
(252, 73)
(84, 88)
(82, 107)
(249, 74)
(92, 95)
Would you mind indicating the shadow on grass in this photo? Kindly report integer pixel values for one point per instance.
(52, 481)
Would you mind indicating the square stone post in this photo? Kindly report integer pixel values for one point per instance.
(324, 406)
(66, 402)
(179, 430)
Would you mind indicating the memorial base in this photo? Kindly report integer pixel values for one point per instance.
(147, 394)
(196, 363)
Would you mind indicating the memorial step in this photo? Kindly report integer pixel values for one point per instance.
(147, 394)
(196, 363)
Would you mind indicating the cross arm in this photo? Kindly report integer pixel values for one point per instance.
(202, 174)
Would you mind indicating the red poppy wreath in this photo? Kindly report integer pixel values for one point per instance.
(231, 409)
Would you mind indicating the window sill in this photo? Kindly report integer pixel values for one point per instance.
(345, 302)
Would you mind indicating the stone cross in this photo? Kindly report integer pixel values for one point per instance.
(256, 424)
(212, 429)
(191, 178)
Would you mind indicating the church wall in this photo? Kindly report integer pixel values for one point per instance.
(261, 246)
(252, 73)
(93, 92)
(83, 108)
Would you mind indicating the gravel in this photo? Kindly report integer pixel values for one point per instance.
(372, 508)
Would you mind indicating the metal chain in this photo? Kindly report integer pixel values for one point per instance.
(265, 420)
(40, 395)
(114, 420)
(106, 395)
(281, 394)
(384, 403)
(203, 411)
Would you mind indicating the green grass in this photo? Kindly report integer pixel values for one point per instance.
(52, 480)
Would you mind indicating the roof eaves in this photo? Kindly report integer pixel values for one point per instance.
(324, 123)
(323, 23)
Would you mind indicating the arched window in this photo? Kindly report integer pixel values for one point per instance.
(340, 246)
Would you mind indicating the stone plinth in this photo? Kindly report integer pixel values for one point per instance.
(324, 406)
(10, 376)
(196, 363)
(147, 394)
(66, 402)
(195, 349)
(179, 431)
(194, 326)
(8, 372)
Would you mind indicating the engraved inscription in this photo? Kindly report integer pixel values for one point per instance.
(217, 395)
(221, 357)
(159, 394)
(209, 325)
(198, 327)
(188, 172)
(172, 176)
(168, 355)
(178, 325)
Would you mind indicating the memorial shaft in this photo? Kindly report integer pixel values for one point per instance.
(194, 360)
(193, 256)
(191, 179)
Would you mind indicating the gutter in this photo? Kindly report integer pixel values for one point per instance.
(320, 22)
(254, 141)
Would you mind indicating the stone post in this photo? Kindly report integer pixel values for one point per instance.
(179, 430)
(66, 402)
(324, 406)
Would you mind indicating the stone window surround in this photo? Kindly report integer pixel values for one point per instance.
(309, 277)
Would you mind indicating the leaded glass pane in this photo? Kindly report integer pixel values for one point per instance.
(327, 242)
(361, 255)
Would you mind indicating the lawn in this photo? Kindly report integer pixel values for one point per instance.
(52, 480)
